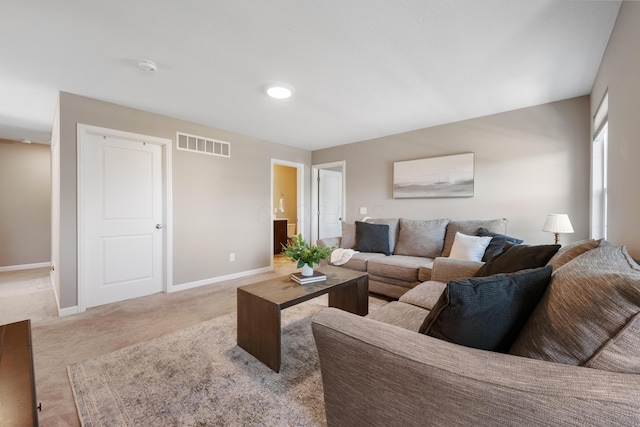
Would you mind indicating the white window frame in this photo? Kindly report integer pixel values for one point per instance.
(599, 163)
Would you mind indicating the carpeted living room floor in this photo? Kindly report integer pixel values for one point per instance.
(59, 342)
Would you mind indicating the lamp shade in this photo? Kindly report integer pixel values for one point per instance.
(557, 223)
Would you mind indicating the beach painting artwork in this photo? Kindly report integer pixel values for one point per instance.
(447, 176)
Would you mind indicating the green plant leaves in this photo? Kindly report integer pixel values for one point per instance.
(301, 252)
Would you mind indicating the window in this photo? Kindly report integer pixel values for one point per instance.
(599, 151)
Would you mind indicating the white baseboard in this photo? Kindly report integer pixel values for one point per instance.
(190, 285)
(68, 311)
(25, 266)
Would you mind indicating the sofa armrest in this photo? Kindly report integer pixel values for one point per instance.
(379, 374)
(329, 241)
(446, 269)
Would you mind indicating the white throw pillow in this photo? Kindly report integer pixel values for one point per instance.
(469, 247)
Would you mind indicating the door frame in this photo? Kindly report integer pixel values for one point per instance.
(166, 145)
(315, 193)
(300, 195)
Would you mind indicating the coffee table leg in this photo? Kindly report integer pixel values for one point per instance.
(353, 298)
(259, 328)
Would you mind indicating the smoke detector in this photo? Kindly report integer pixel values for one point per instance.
(147, 65)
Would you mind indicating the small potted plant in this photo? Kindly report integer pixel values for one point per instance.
(305, 255)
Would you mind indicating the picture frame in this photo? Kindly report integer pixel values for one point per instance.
(436, 177)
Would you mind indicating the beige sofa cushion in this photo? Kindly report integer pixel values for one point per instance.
(421, 238)
(397, 267)
(471, 228)
(424, 273)
(447, 269)
(620, 354)
(589, 301)
(359, 260)
(395, 313)
(425, 295)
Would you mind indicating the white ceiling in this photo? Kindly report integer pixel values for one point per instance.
(361, 68)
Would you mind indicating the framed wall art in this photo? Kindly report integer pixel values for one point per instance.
(447, 176)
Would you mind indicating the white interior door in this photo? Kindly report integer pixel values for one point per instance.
(329, 203)
(122, 218)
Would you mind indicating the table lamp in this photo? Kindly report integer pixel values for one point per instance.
(557, 223)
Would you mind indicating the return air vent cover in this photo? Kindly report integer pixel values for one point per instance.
(200, 144)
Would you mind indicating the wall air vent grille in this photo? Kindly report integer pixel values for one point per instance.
(200, 144)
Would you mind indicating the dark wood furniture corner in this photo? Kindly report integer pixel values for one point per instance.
(279, 235)
(17, 380)
(260, 304)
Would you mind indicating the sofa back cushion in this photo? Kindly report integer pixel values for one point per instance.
(348, 240)
(487, 312)
(421, 238)
(471, 228)
(590, 301)
(620, 354)
(393, 224)
(572, 250)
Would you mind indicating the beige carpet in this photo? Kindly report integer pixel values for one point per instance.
(199, 376)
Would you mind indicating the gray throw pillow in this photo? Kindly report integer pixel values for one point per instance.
(421, 238)
(372, 238)
(518, 257)
(487, 312)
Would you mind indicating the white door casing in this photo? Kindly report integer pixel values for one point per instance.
(123, 220)
(315, 196)
(329, 203)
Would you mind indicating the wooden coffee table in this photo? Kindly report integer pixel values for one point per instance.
(259, 306)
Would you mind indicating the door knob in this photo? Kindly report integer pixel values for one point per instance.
(158, 226)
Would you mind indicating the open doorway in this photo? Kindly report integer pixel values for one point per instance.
(328, 199)
(287, 201)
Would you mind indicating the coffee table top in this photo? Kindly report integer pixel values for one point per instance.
(284, 292)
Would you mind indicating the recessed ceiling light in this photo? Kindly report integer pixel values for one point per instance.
(279, 91)
(147, 65)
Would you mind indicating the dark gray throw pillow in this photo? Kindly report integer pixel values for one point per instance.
(497, 244)
(487, 312)
(372, 238)
(518, 257)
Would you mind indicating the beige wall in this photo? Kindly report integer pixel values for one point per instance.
(620, 74)
(528, 163)
(25, 204)
(220, 205)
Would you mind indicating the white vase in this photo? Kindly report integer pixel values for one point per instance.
(307, 270)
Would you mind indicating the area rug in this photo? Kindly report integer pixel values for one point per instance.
(198, 376)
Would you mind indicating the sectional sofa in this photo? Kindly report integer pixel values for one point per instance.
(574, 360)
(404, 260)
